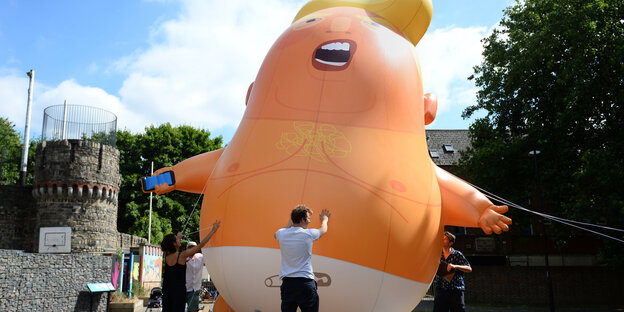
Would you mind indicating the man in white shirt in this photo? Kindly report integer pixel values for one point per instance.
(299, 288)
(194, 268)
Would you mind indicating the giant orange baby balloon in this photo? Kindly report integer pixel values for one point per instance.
(335, 120)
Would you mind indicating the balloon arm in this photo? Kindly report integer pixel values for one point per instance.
(191, 174)
(463, 205)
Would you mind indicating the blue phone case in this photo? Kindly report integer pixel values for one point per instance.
(149, 183)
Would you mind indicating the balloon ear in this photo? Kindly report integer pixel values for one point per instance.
(248, 93)
(431, 107)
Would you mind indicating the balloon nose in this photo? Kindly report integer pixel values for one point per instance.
(340, 24)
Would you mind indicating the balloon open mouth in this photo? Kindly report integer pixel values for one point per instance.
(334, 55)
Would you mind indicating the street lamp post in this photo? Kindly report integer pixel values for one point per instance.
(24, 163)
(551, 300)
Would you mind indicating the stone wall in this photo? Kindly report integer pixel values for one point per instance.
(127, 241)
(93, 222)
(76, 185)
(79, 162)
(18, 214)
(17, 217)
(45, 282)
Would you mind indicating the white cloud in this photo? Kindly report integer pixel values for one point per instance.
(12, 90)
(447, 56)
(196, 71)
(200, 64)
(90, 96)
(13, 96)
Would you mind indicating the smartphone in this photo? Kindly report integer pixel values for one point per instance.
(149, 183)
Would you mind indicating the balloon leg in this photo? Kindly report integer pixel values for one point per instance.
(221, 306)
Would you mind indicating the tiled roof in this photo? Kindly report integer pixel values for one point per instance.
(437, 139)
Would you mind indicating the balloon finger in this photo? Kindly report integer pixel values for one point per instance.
(497, 229)
(486, 229)
(501, 209)
(503, 226)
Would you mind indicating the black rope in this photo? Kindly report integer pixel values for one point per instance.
(553, 218)
(572, 223)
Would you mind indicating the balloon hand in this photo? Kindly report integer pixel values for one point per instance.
(493, 220)
(163, 188)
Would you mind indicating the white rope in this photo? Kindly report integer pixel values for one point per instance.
(194, 206)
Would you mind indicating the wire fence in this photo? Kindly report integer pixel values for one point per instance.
(79, 122)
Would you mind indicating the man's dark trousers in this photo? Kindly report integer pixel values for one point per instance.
(449, 300)
(299, 292)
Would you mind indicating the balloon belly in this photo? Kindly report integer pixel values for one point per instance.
(248, 279)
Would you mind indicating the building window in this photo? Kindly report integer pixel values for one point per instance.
(448, 148)
(434, 154)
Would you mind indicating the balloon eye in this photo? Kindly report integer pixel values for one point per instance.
(370, 23)
(310, 22)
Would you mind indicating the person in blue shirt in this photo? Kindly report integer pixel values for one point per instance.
(298, 287)
(449, 290)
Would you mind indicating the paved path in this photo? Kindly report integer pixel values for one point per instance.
(427, 305)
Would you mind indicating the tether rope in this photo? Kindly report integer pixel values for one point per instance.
(494, 197)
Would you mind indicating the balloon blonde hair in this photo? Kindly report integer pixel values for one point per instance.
(412, 17)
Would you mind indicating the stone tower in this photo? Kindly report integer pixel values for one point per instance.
(76, 185)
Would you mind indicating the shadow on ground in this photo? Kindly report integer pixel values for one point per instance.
(427, 305)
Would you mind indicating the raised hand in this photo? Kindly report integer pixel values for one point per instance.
(215, 226)
(324, 214)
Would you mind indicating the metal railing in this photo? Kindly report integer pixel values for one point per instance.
(67, 122)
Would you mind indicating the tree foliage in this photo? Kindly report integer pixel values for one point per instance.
(10, 147)
(11, 153)
(552, 80)
(165, 146)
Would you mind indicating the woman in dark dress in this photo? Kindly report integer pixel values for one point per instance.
(174, 276)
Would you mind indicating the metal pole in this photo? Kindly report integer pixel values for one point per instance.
(551, 299)
(24, 164)
(64, 119)
(149, 227)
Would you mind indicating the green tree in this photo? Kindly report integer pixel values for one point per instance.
(10, 149)
(160, 226)
(11, 153)
(552, 80)
(165, 146)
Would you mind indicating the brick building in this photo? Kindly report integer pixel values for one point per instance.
(514, 248)
(510, 268)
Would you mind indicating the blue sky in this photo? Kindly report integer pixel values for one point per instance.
(191, 61)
